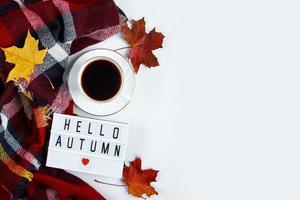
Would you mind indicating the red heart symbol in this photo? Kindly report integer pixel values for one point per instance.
(85, 161)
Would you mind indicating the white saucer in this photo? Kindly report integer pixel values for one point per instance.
(95, 107)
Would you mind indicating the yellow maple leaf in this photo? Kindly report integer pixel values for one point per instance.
(25, 59)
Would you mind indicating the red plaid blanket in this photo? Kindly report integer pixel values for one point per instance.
(64, 27)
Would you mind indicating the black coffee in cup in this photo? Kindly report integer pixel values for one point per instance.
(101, 80)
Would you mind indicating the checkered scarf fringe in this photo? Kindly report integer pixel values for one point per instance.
(64, 28)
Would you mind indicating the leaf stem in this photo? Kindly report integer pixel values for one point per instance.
(49, 81)
(108, 183)
(122, 48)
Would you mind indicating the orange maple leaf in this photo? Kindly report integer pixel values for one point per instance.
(138, 180)
(142, 44)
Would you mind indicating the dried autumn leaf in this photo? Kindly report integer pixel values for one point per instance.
(26, 102)
(138, 180)
(25, 59)
(42, 116)
(142, 44)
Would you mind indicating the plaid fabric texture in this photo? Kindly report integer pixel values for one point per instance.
(64, 28)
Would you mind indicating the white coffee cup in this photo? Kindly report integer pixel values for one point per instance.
(90, 103)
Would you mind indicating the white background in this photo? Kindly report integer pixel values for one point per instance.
(220, 117)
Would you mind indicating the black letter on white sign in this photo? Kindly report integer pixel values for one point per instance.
(58, 141)
(70, 145)
(105, 149)
(82, 140)
(67, 124)
(89, 131)
(116, 133)
(95, 146)
(101, 130)
(117, 150)
(78, 126)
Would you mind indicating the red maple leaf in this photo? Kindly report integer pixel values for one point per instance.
(142, 44)
(138, 180)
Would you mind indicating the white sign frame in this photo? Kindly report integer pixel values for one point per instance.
(87, 145)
